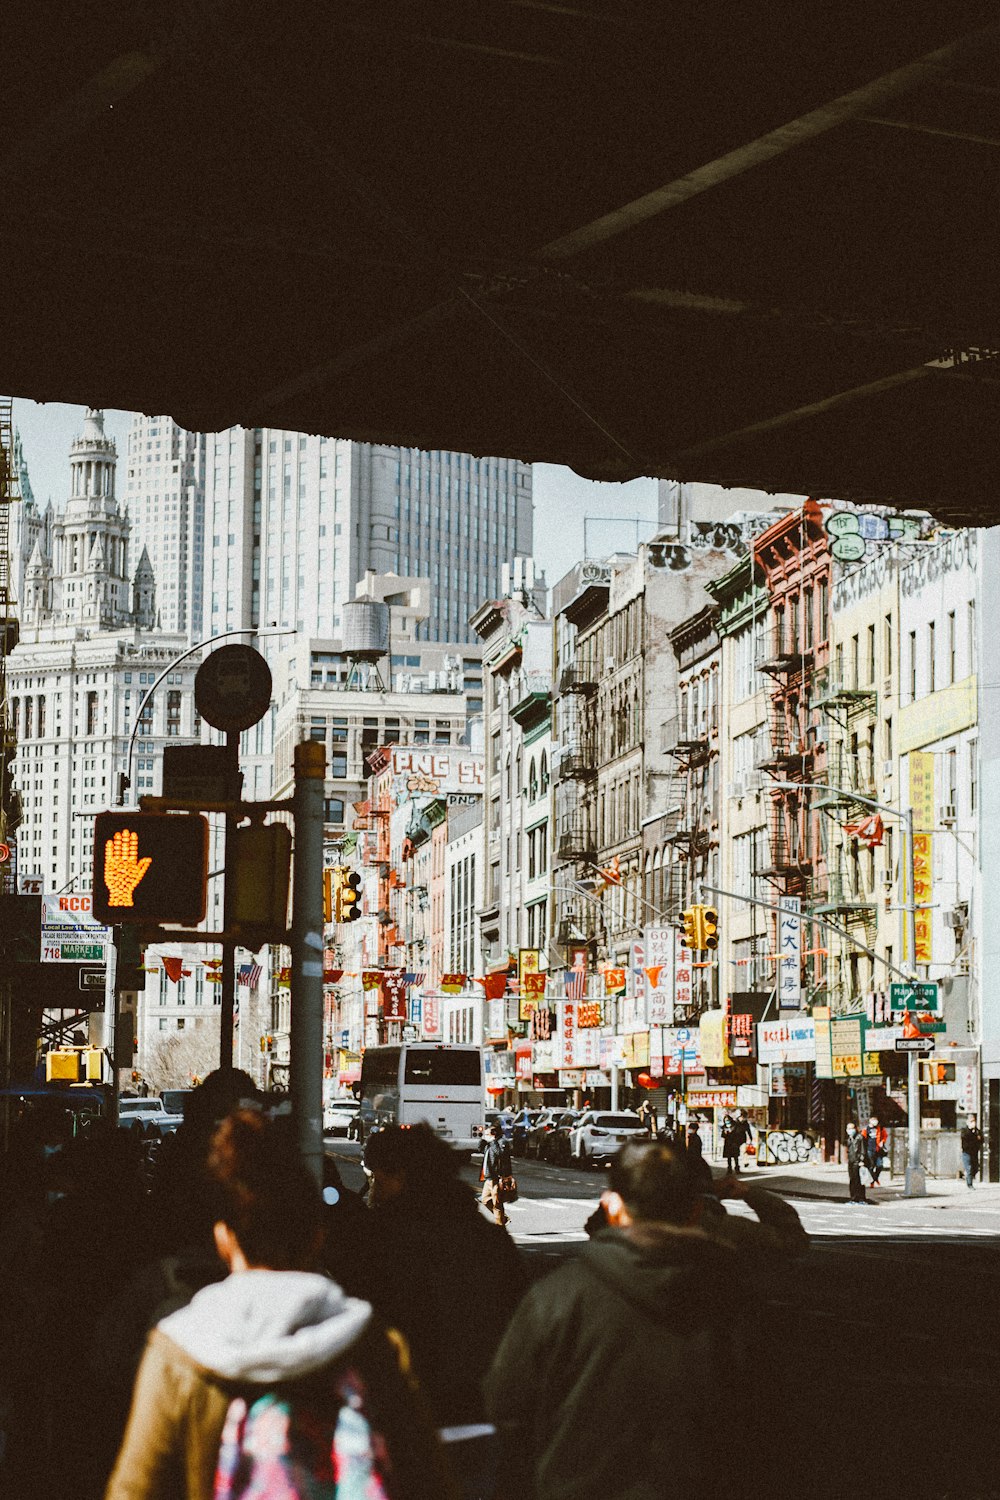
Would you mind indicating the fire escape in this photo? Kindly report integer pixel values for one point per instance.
(687, 797)
(788, 756)
(576, 777)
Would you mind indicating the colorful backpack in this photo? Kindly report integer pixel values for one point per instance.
(285, 1447)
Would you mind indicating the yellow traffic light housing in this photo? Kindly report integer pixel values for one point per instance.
(709, 927)
(689, 932)
(350, 897)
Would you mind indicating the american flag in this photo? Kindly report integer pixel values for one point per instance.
(419, 977)
(576, 981)
(249, 974)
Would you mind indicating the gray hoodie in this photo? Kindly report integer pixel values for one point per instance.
(266, 1327)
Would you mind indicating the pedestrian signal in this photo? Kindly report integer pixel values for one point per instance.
(150, 867)
(350, 897)
(689, 931)
(709, 927)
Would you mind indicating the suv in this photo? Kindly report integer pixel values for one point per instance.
(597, 1135)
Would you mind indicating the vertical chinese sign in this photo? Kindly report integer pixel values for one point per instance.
(921, 767)
(660, 974)
(789, 953)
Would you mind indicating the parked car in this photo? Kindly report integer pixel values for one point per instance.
(339, 1116)
(555, 1146)
(597, 1135)
(148, 1115)
(490, 1118)
(544, 1123)
(523, 1122)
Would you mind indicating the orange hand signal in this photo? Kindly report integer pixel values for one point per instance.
(123, 870)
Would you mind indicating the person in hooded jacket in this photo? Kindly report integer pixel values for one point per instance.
(496, 1164)
(273, 1326)
(575, 1422)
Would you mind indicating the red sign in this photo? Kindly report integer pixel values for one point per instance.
(522, 1063)
(432, 1016)
(393, 998)
(568, 1010)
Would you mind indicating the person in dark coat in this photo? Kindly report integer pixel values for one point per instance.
(654, 1284)
(856, 1159)
(436, 1269)
(496, 1164)
(972, 1146)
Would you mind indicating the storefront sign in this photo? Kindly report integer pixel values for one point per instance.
(587, 1051)
(712, 1039)
(69, 933)
(792, 1039)
(659, 955)
(636, 1052)
(790, 949)
(498, 1068)
(432, 1016)
(522, 1063)
(683, 980)
(544, 1055)
(570, 1078)
(527, 965)
(722, 1098)
(937, 715)
(567, 1036)
(680, 1050)
(787, 1080)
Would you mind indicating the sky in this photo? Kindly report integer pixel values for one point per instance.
(562, 499)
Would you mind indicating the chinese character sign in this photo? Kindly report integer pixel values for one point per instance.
(923, 890)
(567, 1048)
(920, 766)
(790, 950)
(432, 1016)
(659, 974)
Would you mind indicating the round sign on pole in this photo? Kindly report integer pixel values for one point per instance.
(4, 853)
(232, 688)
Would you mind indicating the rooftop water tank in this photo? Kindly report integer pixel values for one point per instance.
(366, 629)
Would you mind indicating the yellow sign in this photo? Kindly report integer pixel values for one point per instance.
(920, 765)
(527, 963)
(636, 1049)
(123, 869)
(937, 715)
(712, 1039)
(923, 890)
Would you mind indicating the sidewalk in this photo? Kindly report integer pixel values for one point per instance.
(827, 1182)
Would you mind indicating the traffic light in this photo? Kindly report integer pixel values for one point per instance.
(690, 933)
(150, 867)
(709, 927)
(350, 897)
(259, 866)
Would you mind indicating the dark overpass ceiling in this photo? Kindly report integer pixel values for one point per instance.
(742, 243)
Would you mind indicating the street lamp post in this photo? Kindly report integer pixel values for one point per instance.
(915, 1182)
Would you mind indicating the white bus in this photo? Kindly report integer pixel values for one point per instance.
(418, 1081)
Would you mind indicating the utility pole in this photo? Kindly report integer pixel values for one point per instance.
(915, 1182)
(306, 1040)
(228, 996)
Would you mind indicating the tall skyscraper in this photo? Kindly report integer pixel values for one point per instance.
(292, 523)
(165, 496)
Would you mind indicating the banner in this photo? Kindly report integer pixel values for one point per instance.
(522, 1060)
(589, 1013)
(417, 1009)
(683, 980)
(659, 956)
(453, 984)
(587, 1050)
(792, 1039)
(532, 986)
(614, 981)
(393, 997)
(680, 1050)
(790, 949)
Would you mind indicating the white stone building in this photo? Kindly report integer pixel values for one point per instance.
(88, 652)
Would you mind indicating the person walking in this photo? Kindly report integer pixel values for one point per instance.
(563, 1392)
(856, 1161)
(876, 1138)
(496, 1165)
(272, 1381)
(734, 1138)
(647, 1114)
(972, 1148)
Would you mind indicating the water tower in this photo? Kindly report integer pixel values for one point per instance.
(366, 641)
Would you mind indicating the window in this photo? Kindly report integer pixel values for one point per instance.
(173, 712)
(824, 609)
(951, 646)
(913, 665)
(91, 712)
(807, 618)
(317, 730)
(931, 657)
(971, 642)
(973, 775)
(888, 643)
(338, 765)
(870, 664)
(952, 778)
(888, 739)
(333, 810)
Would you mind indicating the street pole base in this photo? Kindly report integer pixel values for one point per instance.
(915, 1185)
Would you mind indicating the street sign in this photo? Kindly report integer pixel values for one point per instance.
(917, 996)
(92, 979)
(232, 688)
(198, 773)
(915, 1044)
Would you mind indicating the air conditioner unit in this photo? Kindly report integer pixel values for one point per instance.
(888, 766)
(947, 814)
(753, 781)
(952, 918)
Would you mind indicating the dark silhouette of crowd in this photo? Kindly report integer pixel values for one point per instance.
(160, 1309)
